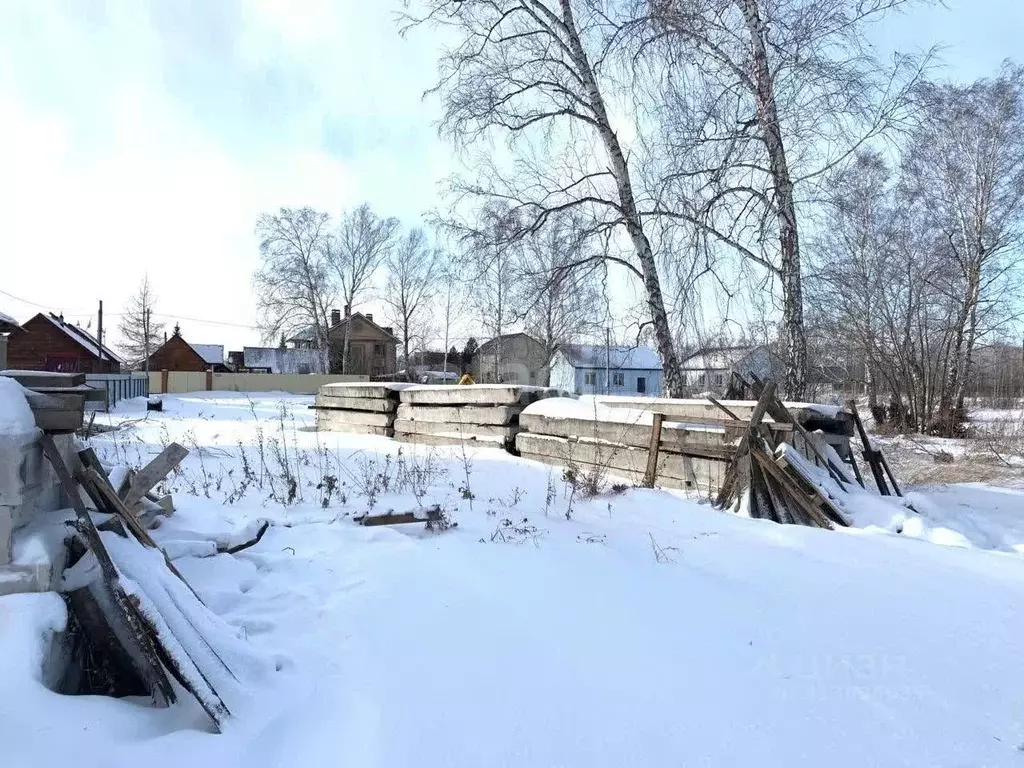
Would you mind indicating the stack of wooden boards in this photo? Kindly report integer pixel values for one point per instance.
(487, 414)
(140, 628)
(366, 408)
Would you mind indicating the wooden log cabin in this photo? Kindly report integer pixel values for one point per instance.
(49, 343)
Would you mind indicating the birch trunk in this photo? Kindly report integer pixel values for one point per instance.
(627, 202)
(793, 335)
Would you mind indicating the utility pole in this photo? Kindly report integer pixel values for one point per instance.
(145, 331)
(99, 331)
(607, 360)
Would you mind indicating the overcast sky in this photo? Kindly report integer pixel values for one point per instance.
(146, 136)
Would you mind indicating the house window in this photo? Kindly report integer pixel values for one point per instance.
(533, 375)
(378, 349)
(511, 377)
(619, 379)
(641, 384)
(590, 378)
(62, 363)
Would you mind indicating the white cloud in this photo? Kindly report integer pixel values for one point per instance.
(134, 143)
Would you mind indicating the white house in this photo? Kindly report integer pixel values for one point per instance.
(711, 368)
(596, 370)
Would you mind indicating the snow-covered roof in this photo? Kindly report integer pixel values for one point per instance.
(83, 338)
(7, 320)
(618, 358)
(281, 360)
(212, 354)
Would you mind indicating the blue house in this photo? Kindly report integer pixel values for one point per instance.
(595, 370)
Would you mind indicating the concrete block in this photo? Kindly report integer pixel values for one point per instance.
(709, 443)
(476, 394)
(700, 474)
(458, 431)
(465, 414)
(15, 580)
(356, 429)
(326, 418)
(365, 389)
(472, 442)
(377, 404)
(681, 409)
(629, 476)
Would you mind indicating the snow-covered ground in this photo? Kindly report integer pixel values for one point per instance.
(640, 628)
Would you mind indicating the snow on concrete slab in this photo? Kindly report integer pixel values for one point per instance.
(15, 415)
(591, 409)
(476, 394)
(829, 411)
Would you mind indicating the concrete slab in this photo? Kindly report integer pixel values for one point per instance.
(701, 474)
(377, 404)
(476, 394)
(466, 431)
(464, 414)
(710, 443)
(378, 389)
(473, 442)
(810, 415)
(357, 429)
(326, 418)
(615, 475)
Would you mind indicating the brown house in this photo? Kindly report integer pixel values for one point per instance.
(176, 354)
(48, 343)
(373, 350)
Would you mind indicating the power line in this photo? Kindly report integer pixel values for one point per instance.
(51, 307)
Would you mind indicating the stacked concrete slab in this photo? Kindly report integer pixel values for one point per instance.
(833, 423)
(615, 443)
(366, 408)
(485, 414)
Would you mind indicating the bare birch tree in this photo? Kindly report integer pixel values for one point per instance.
(530, 70)
(767, 97)
(361, 245)
(293, 287)
(967, 161)
(140, 334)
(561, 303)
(412, 281)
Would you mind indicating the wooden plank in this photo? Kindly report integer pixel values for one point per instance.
(868, 451)
(111, 500)
(400, 518)
(791, 488)
(123, 618)
(834, 513)
(733, 472)
(888, 471)
(652, 451)
(779, 412)
(722, 408)
(154, 472)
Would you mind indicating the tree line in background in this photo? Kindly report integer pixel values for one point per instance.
(721, 153)
(311, 263)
